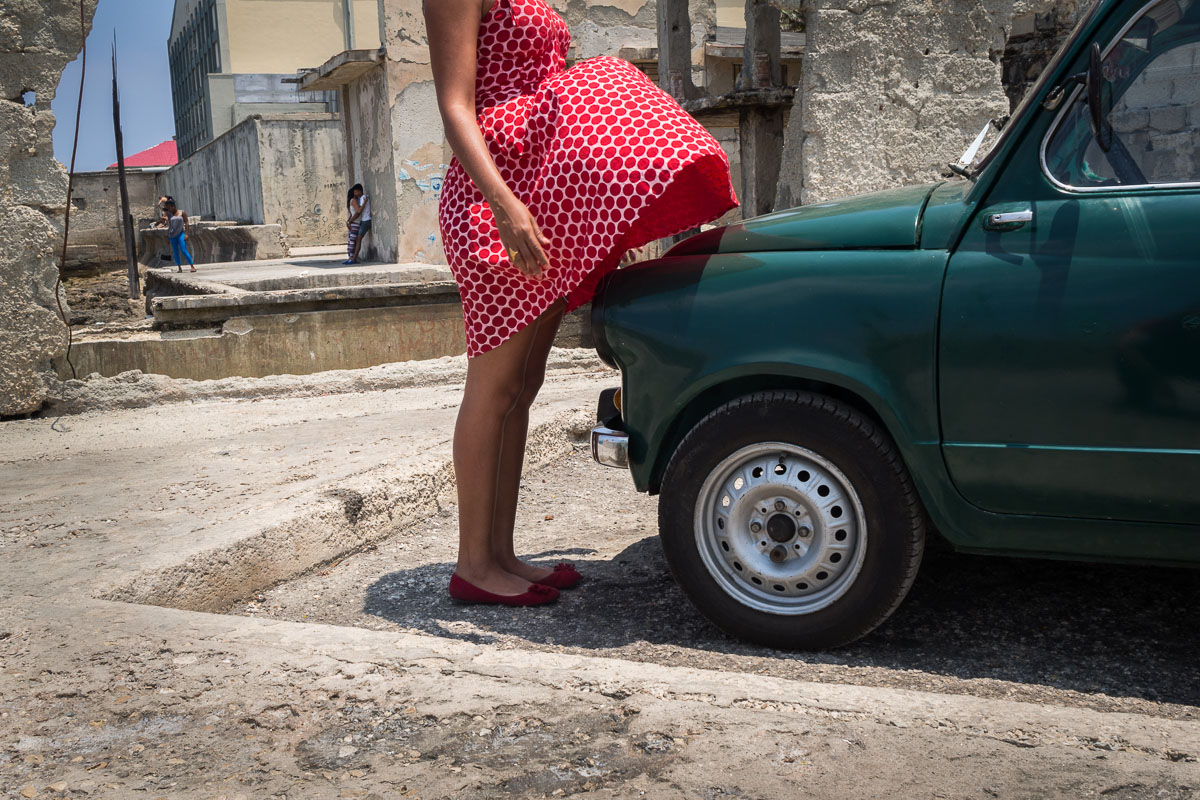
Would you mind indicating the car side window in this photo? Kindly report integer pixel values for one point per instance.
(1153, 75)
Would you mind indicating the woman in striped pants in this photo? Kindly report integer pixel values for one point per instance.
(352, 224)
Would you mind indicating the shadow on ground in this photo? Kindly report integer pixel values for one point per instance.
(1122, 631)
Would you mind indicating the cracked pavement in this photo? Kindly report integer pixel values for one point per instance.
(381, 688)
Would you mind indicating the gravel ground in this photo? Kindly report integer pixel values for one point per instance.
(1106, 637)
(101, 294)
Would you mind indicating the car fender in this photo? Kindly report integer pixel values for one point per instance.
(703, 329)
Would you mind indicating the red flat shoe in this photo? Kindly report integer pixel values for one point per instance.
(564, 576)
(537, 594)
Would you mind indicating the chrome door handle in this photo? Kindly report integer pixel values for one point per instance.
(1007, 221)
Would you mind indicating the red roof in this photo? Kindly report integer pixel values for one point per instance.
(161, 155)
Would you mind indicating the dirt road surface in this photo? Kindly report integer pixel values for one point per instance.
(319, 521)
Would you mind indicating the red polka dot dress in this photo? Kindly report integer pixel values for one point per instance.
(604, 160)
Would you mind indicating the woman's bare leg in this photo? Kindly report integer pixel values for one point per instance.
(512, 453)
(494, 390)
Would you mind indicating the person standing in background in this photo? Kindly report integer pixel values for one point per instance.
(353, 225)
(178, 229)
(364, 220)
(160, 220)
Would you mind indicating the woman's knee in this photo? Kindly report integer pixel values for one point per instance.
(495, 394)
(530, 387)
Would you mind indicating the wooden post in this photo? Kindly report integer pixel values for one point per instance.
(135, 289)
(675, 49)
(760, 131)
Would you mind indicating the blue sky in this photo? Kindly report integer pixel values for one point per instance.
(142, 27)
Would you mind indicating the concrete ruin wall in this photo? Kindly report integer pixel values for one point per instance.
(893, 91)
(420, 154)
(97, 236)
(38, 38)
(221, 180)
(419, 150)
(303, 163)
(1037, 29)
(603, 27)
(287, 170)
(368, 113)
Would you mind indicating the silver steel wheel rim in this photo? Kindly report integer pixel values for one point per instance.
(748, 506)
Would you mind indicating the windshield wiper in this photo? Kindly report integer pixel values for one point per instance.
(963, 165)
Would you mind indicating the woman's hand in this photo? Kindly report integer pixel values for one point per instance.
(521, 237)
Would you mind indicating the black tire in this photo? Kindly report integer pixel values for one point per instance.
(890, 528)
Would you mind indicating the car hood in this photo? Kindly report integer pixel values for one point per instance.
(888, 219)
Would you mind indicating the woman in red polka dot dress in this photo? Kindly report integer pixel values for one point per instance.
(556, 174)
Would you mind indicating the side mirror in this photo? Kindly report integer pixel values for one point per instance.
(1099, 94)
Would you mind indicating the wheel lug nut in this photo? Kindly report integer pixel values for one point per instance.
(805, 531)
(779, 506)
(756, 526)
(778, 553)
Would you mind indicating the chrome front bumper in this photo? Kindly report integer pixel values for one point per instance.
(609, 447)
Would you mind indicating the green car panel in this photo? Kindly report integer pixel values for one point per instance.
(1041, 380)
(696, 326)
(1058, 377)
(947, 210)
(886, 219)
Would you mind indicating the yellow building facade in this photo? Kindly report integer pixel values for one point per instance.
(230, 59)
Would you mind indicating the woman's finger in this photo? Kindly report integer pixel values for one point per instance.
(529, 263)
(541, 237)
(541, 243)
(531, 252)
(538, 257)
(517, 258)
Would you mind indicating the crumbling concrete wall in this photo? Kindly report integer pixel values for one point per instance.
(421, 155)
(303, 163)
(221, 180)
(38, 38)
(214, 244)
(287, 170)
(604, 27)
(1037, 29)
(97, 236)
(893, 91)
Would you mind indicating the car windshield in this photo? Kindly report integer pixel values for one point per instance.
(1023, 107)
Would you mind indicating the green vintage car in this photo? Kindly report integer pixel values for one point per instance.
(1012, 358)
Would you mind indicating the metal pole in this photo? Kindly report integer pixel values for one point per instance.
(348, 21)
(135, 291)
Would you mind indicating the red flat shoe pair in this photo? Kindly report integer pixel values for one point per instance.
(537, 594)
(564, 576)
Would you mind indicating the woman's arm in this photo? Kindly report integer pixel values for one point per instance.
(453, 28)
(187, 226)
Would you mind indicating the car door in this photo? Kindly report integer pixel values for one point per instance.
(1069, 352)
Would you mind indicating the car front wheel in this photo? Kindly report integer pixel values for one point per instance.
(789, 519)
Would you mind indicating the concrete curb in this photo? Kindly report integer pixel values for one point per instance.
(341, 520)
(348, 655)
(138, 389)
